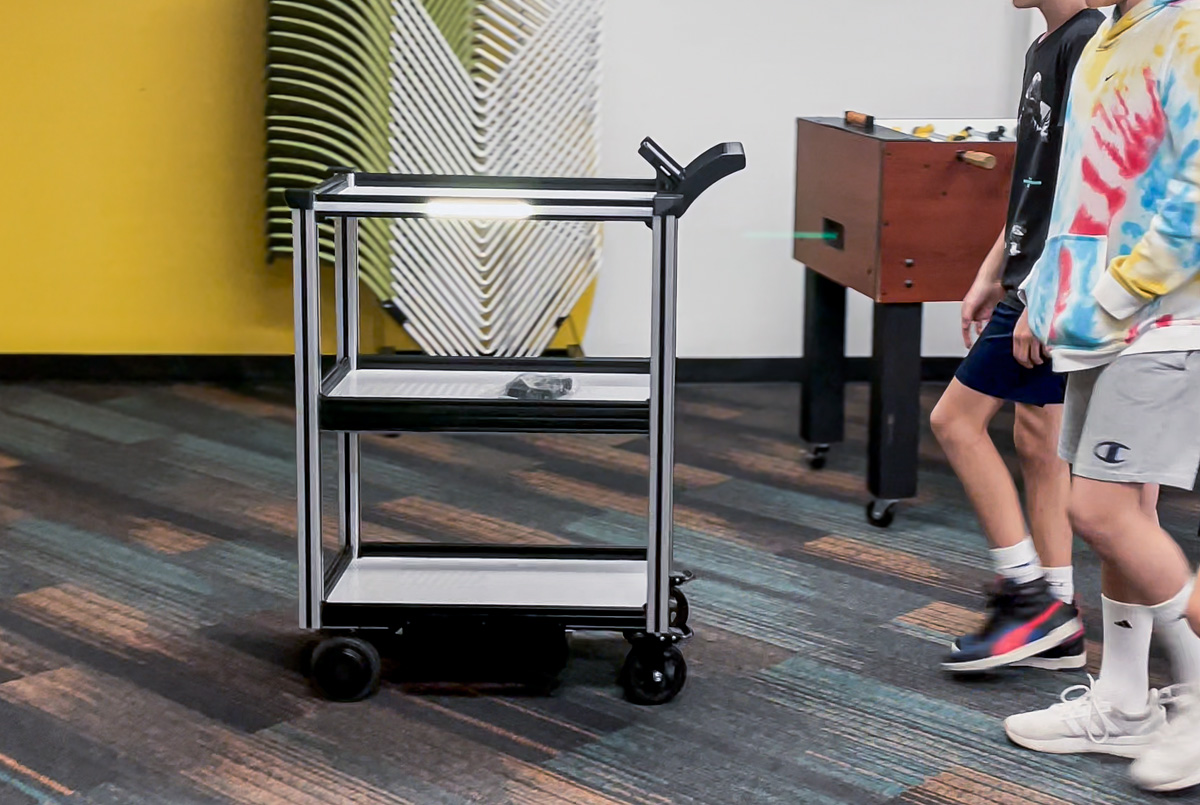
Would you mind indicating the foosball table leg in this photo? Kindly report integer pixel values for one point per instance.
(895, 418)
(823, 387)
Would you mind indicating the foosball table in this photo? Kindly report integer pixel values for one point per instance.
(902, 211)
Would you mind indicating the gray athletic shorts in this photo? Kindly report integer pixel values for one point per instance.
(1135, 420)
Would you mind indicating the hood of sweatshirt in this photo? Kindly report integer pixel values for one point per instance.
(1123, 23)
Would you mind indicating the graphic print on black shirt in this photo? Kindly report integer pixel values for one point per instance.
(1036, 109)
(1049, 64)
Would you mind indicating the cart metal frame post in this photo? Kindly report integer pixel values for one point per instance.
(308, 434)
(345, 251)
(662, 425)
(385, 588)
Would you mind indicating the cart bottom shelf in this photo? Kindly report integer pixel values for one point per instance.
(523, 585)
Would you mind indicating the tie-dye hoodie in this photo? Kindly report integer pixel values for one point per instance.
(1121, 267)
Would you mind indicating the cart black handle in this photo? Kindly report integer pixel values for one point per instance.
(707, 169)
(686, 184)
(670, 172)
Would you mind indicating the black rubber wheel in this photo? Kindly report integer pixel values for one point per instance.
(345, 669)
(818, 456)
(654, 673)
(881, 513)
(679, 609)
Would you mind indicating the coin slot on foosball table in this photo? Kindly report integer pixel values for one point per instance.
(834, 233)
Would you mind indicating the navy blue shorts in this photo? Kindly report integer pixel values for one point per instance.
(991, 369)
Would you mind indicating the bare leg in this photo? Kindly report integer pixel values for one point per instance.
(1194, 607)
(1112, 583)
(1149, 501)
(960, 422)
(1114, 519)
(1047, 481)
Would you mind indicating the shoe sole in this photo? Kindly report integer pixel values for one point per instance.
(1077, 746)
(1072, 663)
(1056, 638)
(1177, 785)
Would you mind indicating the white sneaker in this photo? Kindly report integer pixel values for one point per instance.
(1172, 763)
(1082, 722)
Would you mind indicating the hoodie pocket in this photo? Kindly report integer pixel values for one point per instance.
(1063, 308)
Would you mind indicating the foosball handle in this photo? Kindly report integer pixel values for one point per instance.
(979, 159)
(860, 121)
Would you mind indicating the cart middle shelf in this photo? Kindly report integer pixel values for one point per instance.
(470, 395)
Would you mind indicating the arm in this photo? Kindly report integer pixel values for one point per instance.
(985, 292)
(992, 267)
(1168, 255)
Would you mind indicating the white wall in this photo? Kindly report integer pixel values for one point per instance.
(691, 73)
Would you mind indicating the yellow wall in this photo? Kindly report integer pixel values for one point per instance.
(132, 219)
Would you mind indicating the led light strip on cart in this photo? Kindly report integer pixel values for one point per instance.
(465, 87)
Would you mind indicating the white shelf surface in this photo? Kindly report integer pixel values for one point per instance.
(429, 384)
(498, 582)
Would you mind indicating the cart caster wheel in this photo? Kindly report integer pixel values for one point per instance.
(654, 673)
(881, 513)
(678, 609)
(681, 577)
(818, 456)
(346, 669)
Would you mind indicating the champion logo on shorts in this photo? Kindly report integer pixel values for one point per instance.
(1110, 452)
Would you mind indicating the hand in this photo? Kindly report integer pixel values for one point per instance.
(1028, 351)
(977, 307)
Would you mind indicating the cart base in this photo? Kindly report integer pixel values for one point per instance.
(477, 643)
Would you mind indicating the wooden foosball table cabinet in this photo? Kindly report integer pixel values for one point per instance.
(903, 218)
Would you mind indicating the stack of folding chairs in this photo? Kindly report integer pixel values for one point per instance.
(477, 87)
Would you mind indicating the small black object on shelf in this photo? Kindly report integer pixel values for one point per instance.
(531, 386)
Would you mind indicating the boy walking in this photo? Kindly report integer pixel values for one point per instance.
(1032, 619)
(1116, 297)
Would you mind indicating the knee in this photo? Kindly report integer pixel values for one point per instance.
(1035, 443)
(1091, 520)
(950, 426)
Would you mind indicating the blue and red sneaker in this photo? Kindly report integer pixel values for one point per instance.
(1025, 621)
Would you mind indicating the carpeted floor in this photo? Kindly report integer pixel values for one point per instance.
(148, 649)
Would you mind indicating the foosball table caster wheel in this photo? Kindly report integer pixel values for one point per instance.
(654, 672)
(881, 513)
(345, 669)
(818, 456)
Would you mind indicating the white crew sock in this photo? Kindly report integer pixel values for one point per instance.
(1125, 663)
(1062, 583)
(1181, 643)
(1018, 562)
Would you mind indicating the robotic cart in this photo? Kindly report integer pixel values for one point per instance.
(370, 591)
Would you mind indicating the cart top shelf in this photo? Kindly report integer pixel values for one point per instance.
(671, 192)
